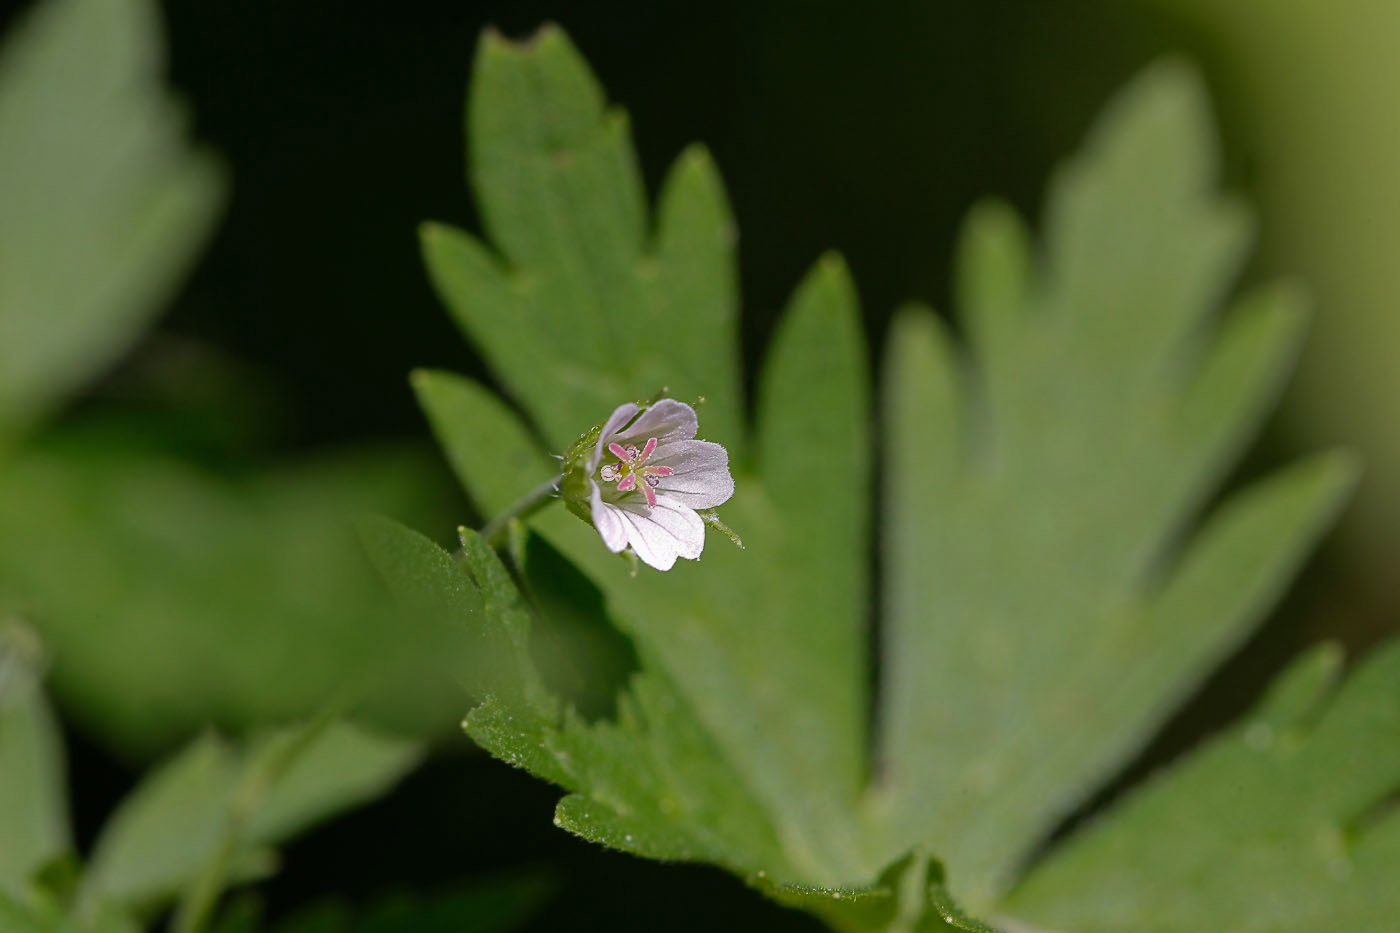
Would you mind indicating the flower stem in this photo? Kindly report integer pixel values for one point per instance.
(523, 506)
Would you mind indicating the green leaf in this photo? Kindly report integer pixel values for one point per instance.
(160, 835)
(337, 769)
(1041, 534)
(581, 309)
(110, 549)
(499, 440)
(580, 655)
(33, 779)
(106, 203)
(221, 806)
(908, 897)
(1038, 496)
(482, 600)
(1284, 823)
(47, 917)
(17, 918)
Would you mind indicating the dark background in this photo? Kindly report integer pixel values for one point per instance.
(865, 128)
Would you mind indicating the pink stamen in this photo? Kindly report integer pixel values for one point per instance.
(629, 468)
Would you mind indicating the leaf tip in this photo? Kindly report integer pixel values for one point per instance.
(830, 278)
(914, 320)
(1172, 83)
(832, 265)
(994, 218)
(495, 42)
(549, 44)
(430, 232)
(696, 158)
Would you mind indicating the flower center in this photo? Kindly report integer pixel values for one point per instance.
(631, 472)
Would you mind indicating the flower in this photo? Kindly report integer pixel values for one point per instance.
(647, 474)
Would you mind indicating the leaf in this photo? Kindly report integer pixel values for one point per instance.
(106, 203)
(217, 804)
(1039, 494)
(340, 767)
(1048, 591)
(111, 549)
(908, 897)
(33, 781)
(160, 835)
(651, 782)
(16, 917)
(1285, 822)
(578, 290)
(47, 918)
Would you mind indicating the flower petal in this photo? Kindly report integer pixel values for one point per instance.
(607, 520)
(701, 477)
(655, 550)
(616, 421)
(662, 534)
(667, 421)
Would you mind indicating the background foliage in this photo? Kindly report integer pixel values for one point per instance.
(870, 130)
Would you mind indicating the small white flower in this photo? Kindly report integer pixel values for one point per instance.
(655, 477)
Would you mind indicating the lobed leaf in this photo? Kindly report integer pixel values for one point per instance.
(1041, 494)
(582, 309)
(1285, 822)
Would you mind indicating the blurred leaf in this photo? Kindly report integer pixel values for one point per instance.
(33, 781)
(46, 917)
(1038, 500)
(1287, 822)
(217, 805)
(166, 829)
(105, 202)
(172, 597)
(1309, 89)
(340, 768)
(17, 918)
